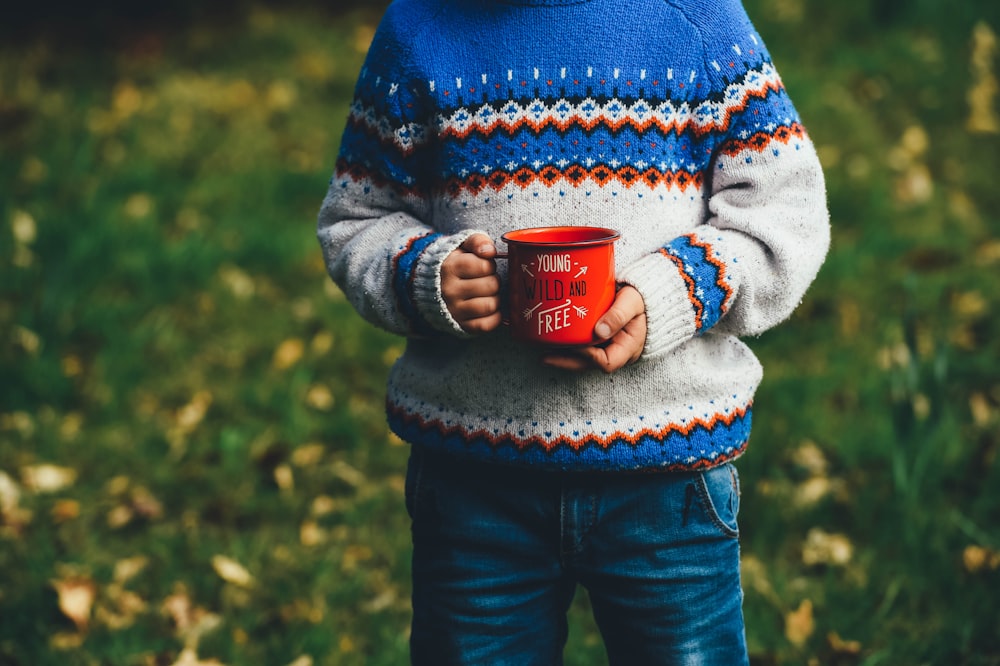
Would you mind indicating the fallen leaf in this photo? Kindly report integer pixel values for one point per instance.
(66, 640)
(23, 226)
(824, 548)
(284, 478)
(128, 568)
(119, 608)
(76, 599)
(47, 478)
(308, 455)
(304, 660)
(799, 624)
(10, 493)
(978, 558)
(288, 353)
(120, 516)
(838, 644)
(810, 456)
(348, 474)
(319, 397)
(190, 622)
(190, 415)
(65, 509)
(145, 504)
(138, 205)
(322, 343)
(239, 283)
(311, 534)
(189, 657)
(232, 571)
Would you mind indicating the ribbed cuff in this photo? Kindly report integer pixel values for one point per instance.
(670, 317)
(427, 284)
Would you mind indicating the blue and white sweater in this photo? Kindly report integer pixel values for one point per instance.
(663, 119)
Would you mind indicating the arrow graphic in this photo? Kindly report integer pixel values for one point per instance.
(580, 311)
(583, 271)
(529, 311)
(524, 267)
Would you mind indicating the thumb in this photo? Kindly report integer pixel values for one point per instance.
(479, 244)
(627, 306)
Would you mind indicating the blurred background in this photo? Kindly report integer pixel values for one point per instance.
(194, 465)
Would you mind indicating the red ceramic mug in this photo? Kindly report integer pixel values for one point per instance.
(561, 281)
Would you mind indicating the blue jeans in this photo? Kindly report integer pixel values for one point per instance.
(498, 553)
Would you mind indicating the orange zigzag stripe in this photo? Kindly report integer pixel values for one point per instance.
(759, 141)
(575, 175)
(699, 308)
(549, 445)
(713, 259)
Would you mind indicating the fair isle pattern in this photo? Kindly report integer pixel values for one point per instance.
(705, 276)
(535, 124)
(691, 443)
(590, 131)
(615, 113)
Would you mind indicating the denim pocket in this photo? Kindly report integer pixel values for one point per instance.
(718, 490)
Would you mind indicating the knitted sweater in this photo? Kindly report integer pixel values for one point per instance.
(663, 119)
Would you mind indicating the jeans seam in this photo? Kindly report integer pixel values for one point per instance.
(713, 513)
(418, 473)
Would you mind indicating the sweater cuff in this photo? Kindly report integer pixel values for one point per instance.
(670, 317)
(427, 284)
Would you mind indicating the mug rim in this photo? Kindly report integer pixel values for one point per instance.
(599, 236)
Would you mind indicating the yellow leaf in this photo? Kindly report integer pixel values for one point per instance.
(825, 548)
(810, 456)
(190, 415)
(308, 455)
(838, 644)
(64, 510)
(320, 397)
(120, 516)
(977, 558)
(188, 657)
(311, 534)
(47, 478)
(10, 493)
(76, 598)
(119, 608)
(304, 660)
(284, 478)
(232, 571)
(799, 624)
(138, 205)
(239, 283)
(288, 353)
(322, 343)
(23, 227)
(129, 568)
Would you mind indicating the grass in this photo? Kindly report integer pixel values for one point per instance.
(194, 463)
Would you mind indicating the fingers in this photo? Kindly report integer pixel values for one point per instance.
(622, 327)
(626, 347)
(480, 245)
(470, 287)
(627, 306)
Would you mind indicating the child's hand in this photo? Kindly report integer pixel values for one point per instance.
(623, 331)
(470, 286)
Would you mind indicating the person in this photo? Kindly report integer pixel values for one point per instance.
(537, 470)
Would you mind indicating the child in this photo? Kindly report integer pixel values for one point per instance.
(534, 470)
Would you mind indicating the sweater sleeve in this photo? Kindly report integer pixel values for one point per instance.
(766, 232)
(375, 224)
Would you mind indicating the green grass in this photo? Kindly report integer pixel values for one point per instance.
(170, 342)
